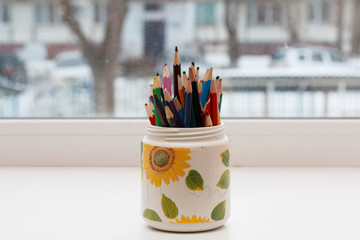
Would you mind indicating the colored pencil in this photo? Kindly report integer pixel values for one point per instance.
(170, 117)
(188, 104)
(151, 94)
(208, 122)
(160, 111)
(214, 106)
(181, 90)
(151, 107)
(150, 114)
(166, 79)
(195, 99)
(161, 89)
(193, 67)
(176, 71)
(205, 75)
(179, 109)
(200, 84)
(197, 74)
(169, 102)
(184, 82)
(156, 92)
(221, 93)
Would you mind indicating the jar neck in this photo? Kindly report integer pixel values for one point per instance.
(185, 134)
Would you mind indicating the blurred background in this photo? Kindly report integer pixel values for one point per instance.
(291, 58)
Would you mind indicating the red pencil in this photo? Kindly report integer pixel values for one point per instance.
(150, 114)
(181, 91)
(214, 104)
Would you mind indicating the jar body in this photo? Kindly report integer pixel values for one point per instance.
(185, 184)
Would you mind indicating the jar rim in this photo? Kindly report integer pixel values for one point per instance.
(185, 134)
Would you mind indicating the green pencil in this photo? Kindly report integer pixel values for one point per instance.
(157, 92)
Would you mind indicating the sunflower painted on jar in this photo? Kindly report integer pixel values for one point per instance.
(162, 164)
(194, 219)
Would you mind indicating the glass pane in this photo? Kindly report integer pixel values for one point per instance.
(92, 59)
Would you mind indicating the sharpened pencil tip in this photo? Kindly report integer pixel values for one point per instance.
(184, 72)
(176, 49)
(157, 74)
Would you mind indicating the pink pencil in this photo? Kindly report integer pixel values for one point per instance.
(166, 79)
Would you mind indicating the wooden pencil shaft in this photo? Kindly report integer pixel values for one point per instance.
(205, 75)
(209, 77)
(192, 75)
(148, 110)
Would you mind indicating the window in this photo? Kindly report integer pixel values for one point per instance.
(47, 13)
(205, 13)
(320, 12)
(265, 13)
(152, 6)
(100, 12)
(4, 13)
(317, 57)
(94, 66)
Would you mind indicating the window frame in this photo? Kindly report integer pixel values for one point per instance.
(7, 6)
(116, 142)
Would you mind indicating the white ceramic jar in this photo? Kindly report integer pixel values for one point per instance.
(185, 178)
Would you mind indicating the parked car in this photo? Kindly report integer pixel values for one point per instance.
(308, 57)
(71, 65)
(12, 68)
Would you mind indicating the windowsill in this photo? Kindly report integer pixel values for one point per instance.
(104, 203)
(116, 142)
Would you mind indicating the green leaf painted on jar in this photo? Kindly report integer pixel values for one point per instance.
(169, 208)
(225, 158)
(218, 213)
(151, 214)
(224, 181)
(194, 181)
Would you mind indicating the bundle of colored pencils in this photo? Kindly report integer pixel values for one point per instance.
(196, 103)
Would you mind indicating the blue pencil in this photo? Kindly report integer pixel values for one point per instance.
(205, 92)
(188, 105)
(206, 87)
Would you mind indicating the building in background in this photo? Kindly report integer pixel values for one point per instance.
(153, 29)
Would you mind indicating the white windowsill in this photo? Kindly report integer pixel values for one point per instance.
(104, 203)
(254, 142)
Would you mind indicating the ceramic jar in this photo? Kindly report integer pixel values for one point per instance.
(185, 178)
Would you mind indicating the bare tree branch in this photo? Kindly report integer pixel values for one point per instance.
(231, 23)
(117, 10)
(71, 21)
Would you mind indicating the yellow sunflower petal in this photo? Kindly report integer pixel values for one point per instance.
(173, 175)
(158, 180)
(166, 178)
